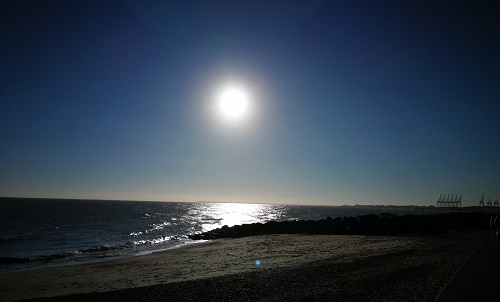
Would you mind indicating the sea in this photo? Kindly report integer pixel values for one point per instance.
(37, 233)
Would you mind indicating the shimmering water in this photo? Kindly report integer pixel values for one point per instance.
(45, 232)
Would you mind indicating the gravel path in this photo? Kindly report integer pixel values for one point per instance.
(479, 278)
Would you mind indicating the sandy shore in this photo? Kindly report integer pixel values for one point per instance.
(315, 266)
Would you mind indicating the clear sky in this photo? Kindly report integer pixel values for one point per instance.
(348, 101)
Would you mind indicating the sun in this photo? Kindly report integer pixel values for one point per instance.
(233, 103)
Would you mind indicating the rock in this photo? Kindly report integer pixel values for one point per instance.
(378, 225)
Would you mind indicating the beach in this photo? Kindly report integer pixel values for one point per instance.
(291, 268)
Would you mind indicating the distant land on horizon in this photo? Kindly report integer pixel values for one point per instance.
(430, 206)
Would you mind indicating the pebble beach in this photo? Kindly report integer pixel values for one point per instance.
(284, 267)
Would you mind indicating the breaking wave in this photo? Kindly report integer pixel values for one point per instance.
(62, 255)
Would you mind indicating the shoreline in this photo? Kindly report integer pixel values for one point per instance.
(223, 258)
(185, 244)
(366, 224)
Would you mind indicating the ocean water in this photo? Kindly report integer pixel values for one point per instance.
(38, 233)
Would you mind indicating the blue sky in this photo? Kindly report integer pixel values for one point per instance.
(351, 102)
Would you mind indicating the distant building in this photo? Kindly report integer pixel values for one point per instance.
(449, 202)
(489, 203)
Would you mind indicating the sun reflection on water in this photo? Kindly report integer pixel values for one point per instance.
(237, 213)
(220, 214)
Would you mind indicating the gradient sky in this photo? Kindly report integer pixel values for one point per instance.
(351, 101)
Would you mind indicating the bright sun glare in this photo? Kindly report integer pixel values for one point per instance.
(233, 103)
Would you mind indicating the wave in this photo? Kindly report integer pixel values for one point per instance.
(104, 248)
(93, 252)
(152, 228)
(67, 254)
(33, 258)
(161, 239)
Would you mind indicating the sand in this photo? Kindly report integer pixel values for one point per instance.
(227, 263)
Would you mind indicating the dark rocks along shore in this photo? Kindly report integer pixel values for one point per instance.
(378, 225)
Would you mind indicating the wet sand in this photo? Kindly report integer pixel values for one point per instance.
(292, 268)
